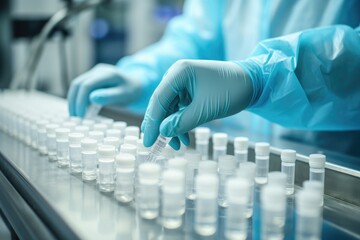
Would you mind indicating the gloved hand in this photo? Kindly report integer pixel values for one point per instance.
(104, 84)
(193, 92)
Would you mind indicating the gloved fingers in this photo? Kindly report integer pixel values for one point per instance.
(93, 82)
(73, 91)
(175, 143)
(184, 138)
(114, 95)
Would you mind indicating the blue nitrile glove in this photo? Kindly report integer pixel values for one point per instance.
(194, 92)
(104, 84)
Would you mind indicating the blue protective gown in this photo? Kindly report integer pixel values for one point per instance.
(303, 56)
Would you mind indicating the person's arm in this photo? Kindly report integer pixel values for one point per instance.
(308, 80)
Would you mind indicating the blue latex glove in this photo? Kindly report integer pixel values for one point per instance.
(193, 92)
(104, 84)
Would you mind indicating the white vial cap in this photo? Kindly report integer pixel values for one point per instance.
(70, 125)
(113, 141)
(247, 170)
(76, 120)
(178, 164)
(193, 158)
(202, 134)
(75, 138)
(308, 203)
(98, 135)
(262, 149)
(50, 128)
(317, 160)
(149, 172)
(128, 148)
(173, 180)
(62, 133)
(100, 127)
(277, 178)
(227, 163)
(241, 143)
(207, 167)
(106, 151)
(237, 190)
(89, 123)
(273, 198)
(288, 155)
(113, 133)
(107, 121)
(131, 140)
(89, 144)
(207, 186)
(41, 124)
(220, 139)
(125, 160)
(82, 129)
(132, 131)
(120, 125)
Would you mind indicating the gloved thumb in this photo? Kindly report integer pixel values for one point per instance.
(114, 95)
(181, 121)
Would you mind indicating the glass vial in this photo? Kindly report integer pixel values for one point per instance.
(262, 151)
(226, 169)
(173, 200)
(193, 158)
(89, 158)
(247, 171)
(219, 145)
(241, 145)
(317, 168)
(62, 147)
(288, 158)
(202, 135)
(106, 179)
(51, 141)
(75, 152)
(124, 189)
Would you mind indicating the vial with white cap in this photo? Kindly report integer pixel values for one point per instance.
(241, 145)
(89, 158)
(317, 168)
(273, 210)
(149, 196)
(308, 215)
(70, 125)
(173, 200)
(238, 193)
(316, 187)
(128, 148)
(206, 208)
(62, 146)
(178, 163)
(97, 135)
(226, 169)
(106, 179)
(108, 122)
(277, 178)
(51, 141)
(88, 123)
(208, 167)
(247, 171)
(193, 158)
(120, 125)
(132, 131)
(262, 151)
(113, 141)
(131, 140)
(219, 145)
(41, 135)
(113, 133)
(288, 158)
(202, 135)
(100, 127)
(75, 152)
(82, 129)
(124, 189)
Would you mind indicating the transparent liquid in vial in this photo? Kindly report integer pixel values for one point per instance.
(262, 169)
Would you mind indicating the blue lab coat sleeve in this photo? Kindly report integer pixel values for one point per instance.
(308, 80)
(191, 35)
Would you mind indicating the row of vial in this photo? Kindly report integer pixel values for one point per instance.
(112, 153)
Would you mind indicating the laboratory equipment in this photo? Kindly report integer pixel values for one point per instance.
(89, 158)
(206, 207)
(178, 164)
(89, 123)
(202, 135)
(69, 125)
(75, 152)
(241, 145)
(113, 133)
(208, 167)
(100, 127)
(238, 194)
(92, 111)
(219, 145)
(132, 131)
(273, 210)
(108, 122)
(316, 187)
(97, 135)
(128, 148)
(125, 167)
(113, 141)
(173, 198)
(51, 141)
(106, 162)
(41, 135)
(288, 158)
(193, 158)
(82, 129)
(262, 151)
(156, 149)
(62, 147)
(308, 215)
(149, 197)
(132, 140)
(226, 169)
(317, 168)
(247, 172)
(277, 178)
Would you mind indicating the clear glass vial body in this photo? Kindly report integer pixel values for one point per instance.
(51, 147)
(218, 151)
(89, 165)
(106, 174)
(262, 169)
(62, 153)
(149, 199)
(202, 147)
(124, 189)
(75, 158)
(289, 170)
